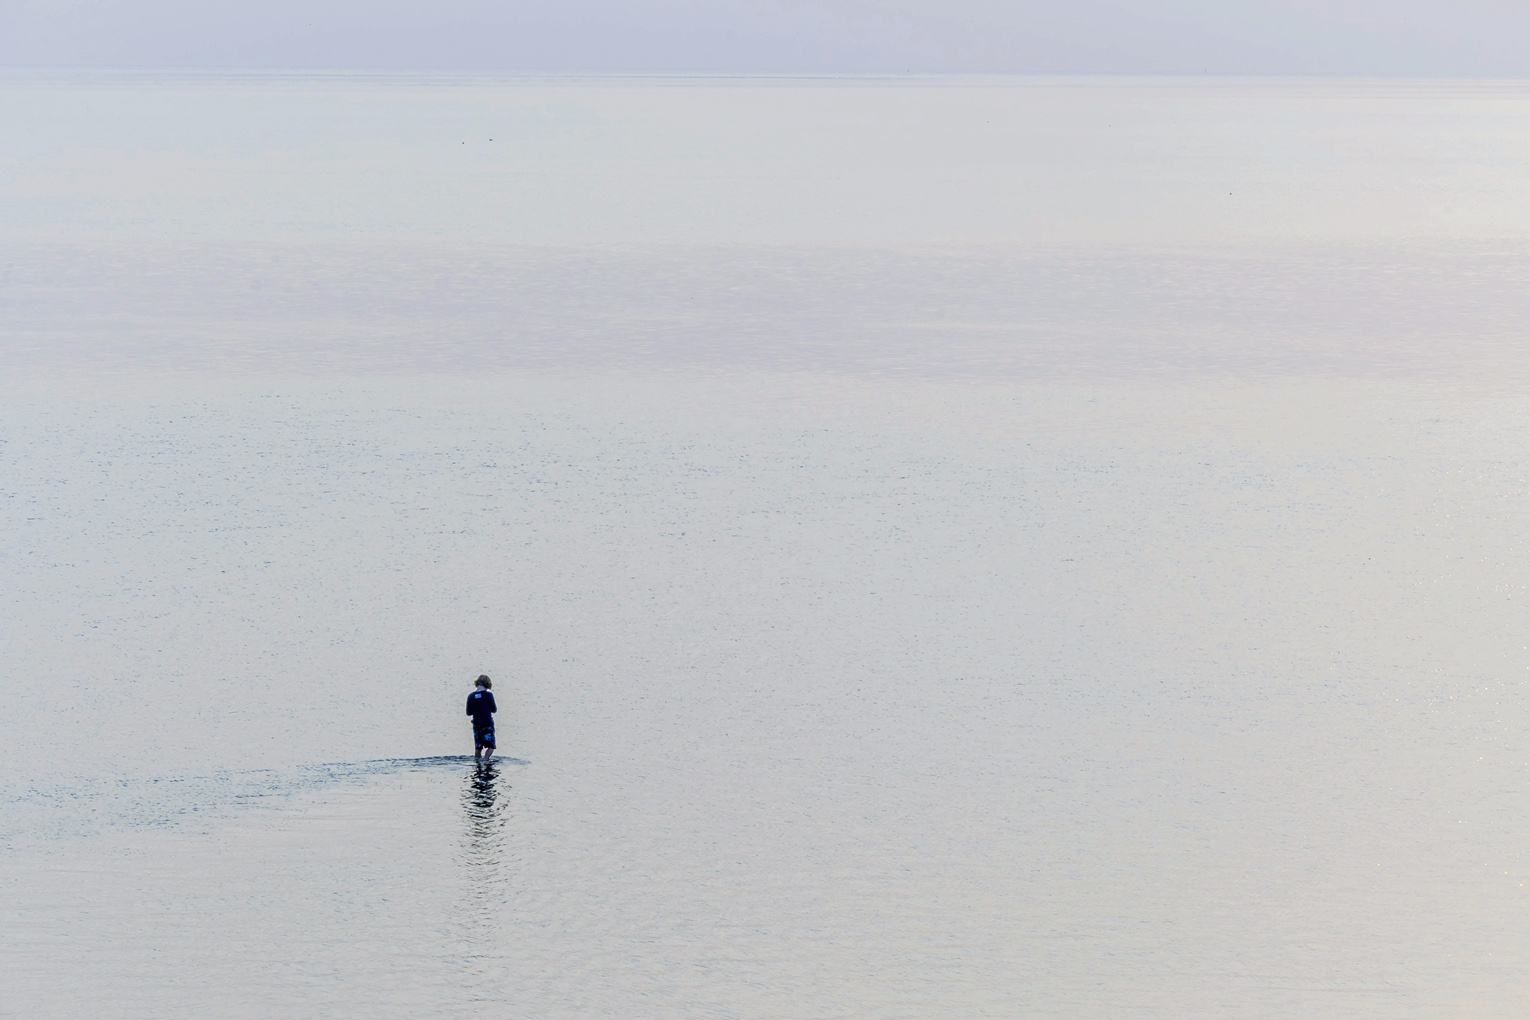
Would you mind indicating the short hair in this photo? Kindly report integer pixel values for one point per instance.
(484, 681)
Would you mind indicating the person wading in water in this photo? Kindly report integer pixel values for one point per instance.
(480, 705)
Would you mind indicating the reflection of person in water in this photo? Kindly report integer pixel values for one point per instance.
(480, 705)
(483, 857)
(480, 798)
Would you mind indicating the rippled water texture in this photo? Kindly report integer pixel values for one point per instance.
(935, 556)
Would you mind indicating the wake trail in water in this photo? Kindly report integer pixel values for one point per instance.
(40, 813)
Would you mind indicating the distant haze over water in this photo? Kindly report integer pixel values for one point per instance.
(953, 225)
(843, 162)
(1395, 37)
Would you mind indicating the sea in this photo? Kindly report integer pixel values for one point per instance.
(943, 547)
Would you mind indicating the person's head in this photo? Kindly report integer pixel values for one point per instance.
(485, 682)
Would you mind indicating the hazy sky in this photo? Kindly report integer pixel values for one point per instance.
(1467, 37)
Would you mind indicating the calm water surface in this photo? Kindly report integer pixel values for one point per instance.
(1118, 610)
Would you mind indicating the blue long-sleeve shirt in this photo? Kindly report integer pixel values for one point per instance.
(480, 705)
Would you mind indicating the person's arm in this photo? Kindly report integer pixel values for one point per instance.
(492, 707)
(470, 705)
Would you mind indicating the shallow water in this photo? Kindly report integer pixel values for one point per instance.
(1093, 629)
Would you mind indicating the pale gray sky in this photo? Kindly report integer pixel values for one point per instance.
(1451, 37)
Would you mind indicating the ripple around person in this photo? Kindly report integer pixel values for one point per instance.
(438, 759)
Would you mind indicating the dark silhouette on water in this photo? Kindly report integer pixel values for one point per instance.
(480, 705)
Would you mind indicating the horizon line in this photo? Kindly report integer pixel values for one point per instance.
(423, 71)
